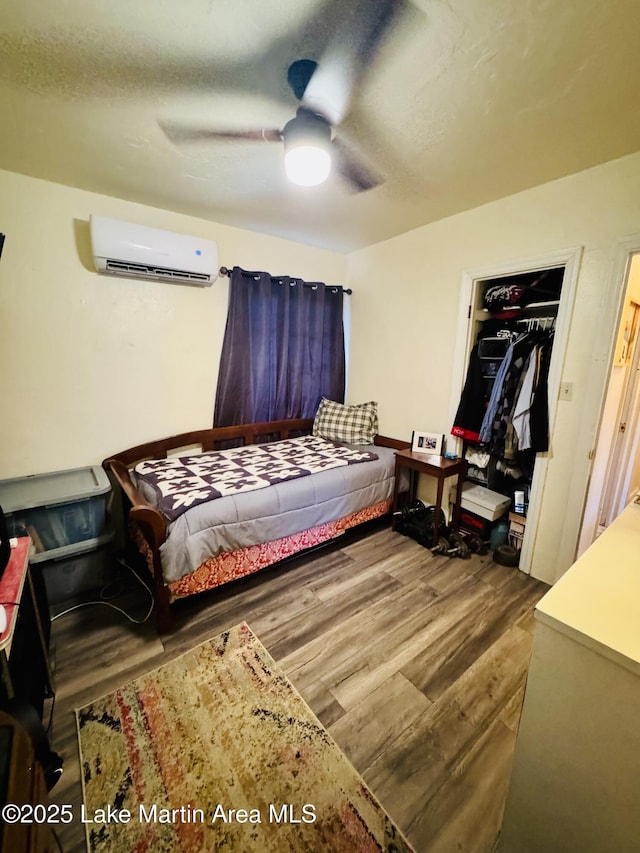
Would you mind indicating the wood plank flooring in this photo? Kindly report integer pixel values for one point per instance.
(415, 664)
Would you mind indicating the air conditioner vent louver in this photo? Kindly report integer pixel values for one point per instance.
(138, 251)
(160, 273)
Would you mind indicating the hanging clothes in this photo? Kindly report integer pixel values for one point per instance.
(539, 418)
(511, 446)
(522, 409)
(476, 391)
(502, 443)
(471, 408)
(496, 395)
(513, 417)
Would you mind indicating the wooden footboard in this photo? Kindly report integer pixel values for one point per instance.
(147, 526)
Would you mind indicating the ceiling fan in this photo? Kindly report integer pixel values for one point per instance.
(325, 90)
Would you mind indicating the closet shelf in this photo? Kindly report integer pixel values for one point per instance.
(483, 314)
(554, 302)
(476, 480)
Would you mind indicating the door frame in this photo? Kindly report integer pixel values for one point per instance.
(625, 445)
(602, 450)
(570, 259)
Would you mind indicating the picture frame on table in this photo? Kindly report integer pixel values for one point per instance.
(430, 443)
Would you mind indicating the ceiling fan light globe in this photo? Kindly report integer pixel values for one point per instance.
(307, 165)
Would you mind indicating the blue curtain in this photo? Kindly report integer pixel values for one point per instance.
(283, 349)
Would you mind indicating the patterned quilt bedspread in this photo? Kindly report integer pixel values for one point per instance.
(190, 480)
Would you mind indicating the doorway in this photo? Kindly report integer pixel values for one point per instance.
(615, 476)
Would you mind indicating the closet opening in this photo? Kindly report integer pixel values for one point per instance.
(516, 329)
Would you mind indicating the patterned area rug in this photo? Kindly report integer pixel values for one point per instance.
(216, 751)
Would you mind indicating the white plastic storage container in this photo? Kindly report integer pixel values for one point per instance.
(483, 502)
(57, 509)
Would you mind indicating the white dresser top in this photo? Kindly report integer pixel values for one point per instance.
(597, 601)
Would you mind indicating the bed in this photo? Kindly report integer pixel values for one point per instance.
(197, 530)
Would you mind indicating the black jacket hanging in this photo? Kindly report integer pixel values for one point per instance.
(473, 401)
(540, 404)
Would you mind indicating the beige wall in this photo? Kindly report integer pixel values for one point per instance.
(92, 364)
(407, 289)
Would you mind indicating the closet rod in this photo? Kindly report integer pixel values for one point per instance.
(348, 291)
(537, 323)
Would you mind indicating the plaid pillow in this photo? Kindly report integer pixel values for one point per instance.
(351, 424)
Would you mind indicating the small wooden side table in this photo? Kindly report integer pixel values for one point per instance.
(434, 466)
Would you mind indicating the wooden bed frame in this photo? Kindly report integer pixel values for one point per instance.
(148, 527)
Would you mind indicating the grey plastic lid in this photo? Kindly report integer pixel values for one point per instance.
(55, 487)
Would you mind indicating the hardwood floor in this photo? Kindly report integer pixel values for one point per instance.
(415, 664)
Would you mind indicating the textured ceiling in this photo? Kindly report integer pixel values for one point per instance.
(468, 101)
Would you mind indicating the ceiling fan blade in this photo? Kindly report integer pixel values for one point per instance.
(375, 21)
(329, 90)
(350, 53)
(181, 133)
(360, 175)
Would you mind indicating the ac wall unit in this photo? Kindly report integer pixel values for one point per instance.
(137, 251)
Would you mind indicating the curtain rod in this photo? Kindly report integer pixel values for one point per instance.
(348, 291)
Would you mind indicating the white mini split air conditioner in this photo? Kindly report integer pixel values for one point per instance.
(136, 251)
